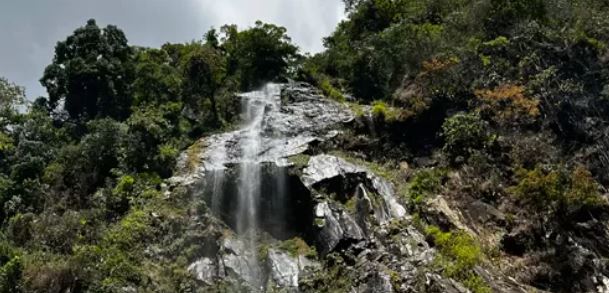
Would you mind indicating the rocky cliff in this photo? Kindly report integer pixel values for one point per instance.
(322, 219)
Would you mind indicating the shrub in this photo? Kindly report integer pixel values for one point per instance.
(330, 91)
(507, 104)
(439, 64)
(131, 232)
(49, 273)
(583, 190)
(106, 266)
(425, 182)
(558, 190)
(20, 228)
(538, 186)
(10, 268)
(460, 253)
(57, 232)
(384, 112)
(131, 190)
(296, 246)
(463, 133)
(379, 109)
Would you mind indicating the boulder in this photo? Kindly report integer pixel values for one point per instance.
(285, 270)
(335, 227)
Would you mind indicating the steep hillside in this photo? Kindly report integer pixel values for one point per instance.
(434, 146)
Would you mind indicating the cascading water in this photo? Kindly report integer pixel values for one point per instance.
(255, 104)
(247, 185)
(252, 138)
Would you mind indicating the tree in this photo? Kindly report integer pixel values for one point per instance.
(204, 73)
(258, 54)
(92, 73)
(157, 81)
(11, 97)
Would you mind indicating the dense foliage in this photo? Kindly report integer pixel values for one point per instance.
(81, 170)
(493, 103)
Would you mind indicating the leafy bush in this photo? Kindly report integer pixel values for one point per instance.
(558, 190)
(50, 273)
(132, 231)
(296, 246)
(330, 91)
(459, 255)
(463, 133)
(10, 268)
(425, 183)
(507, 104)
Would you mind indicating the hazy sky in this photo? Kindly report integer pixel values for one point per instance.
(29, 29)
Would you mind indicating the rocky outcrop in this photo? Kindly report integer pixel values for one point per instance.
(286, 270)
(364, 238)
(335, 226)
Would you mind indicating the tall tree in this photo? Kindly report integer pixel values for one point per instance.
(92, 73)
(204, 70)
(261, 53)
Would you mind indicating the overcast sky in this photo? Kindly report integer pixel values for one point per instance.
(29, 29)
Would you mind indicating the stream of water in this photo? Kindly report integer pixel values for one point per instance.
(255, 108)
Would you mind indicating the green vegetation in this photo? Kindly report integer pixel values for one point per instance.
(81, 170)
(300, 160)
(425, 183)
(510, 96)
(464, 133)
(296, 246)
(558, 190)
(459, 254)
(330, 91)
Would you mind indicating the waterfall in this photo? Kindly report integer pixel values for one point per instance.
(247, 182)
(254, 106)
(251, 143)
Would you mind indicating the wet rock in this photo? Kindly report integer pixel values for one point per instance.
(435, 283)
(377, 282)
(289, 127)
(205, 270)
(323, 168)
(338, 227)
(365, 240)
(241, 263)
(285, 270)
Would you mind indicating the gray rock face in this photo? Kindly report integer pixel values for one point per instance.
(289, 126)
(325, 167)
(205, 270)
(335, 226)
(285, 269)
(377, 282)
(352, 215)
(240, 263)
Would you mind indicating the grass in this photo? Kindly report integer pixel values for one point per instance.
(192, 156)
(296, 246)
(381, 110)
(357, 109)
(330, 91)
(425, 183)
(459, 255)
(300, 160)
